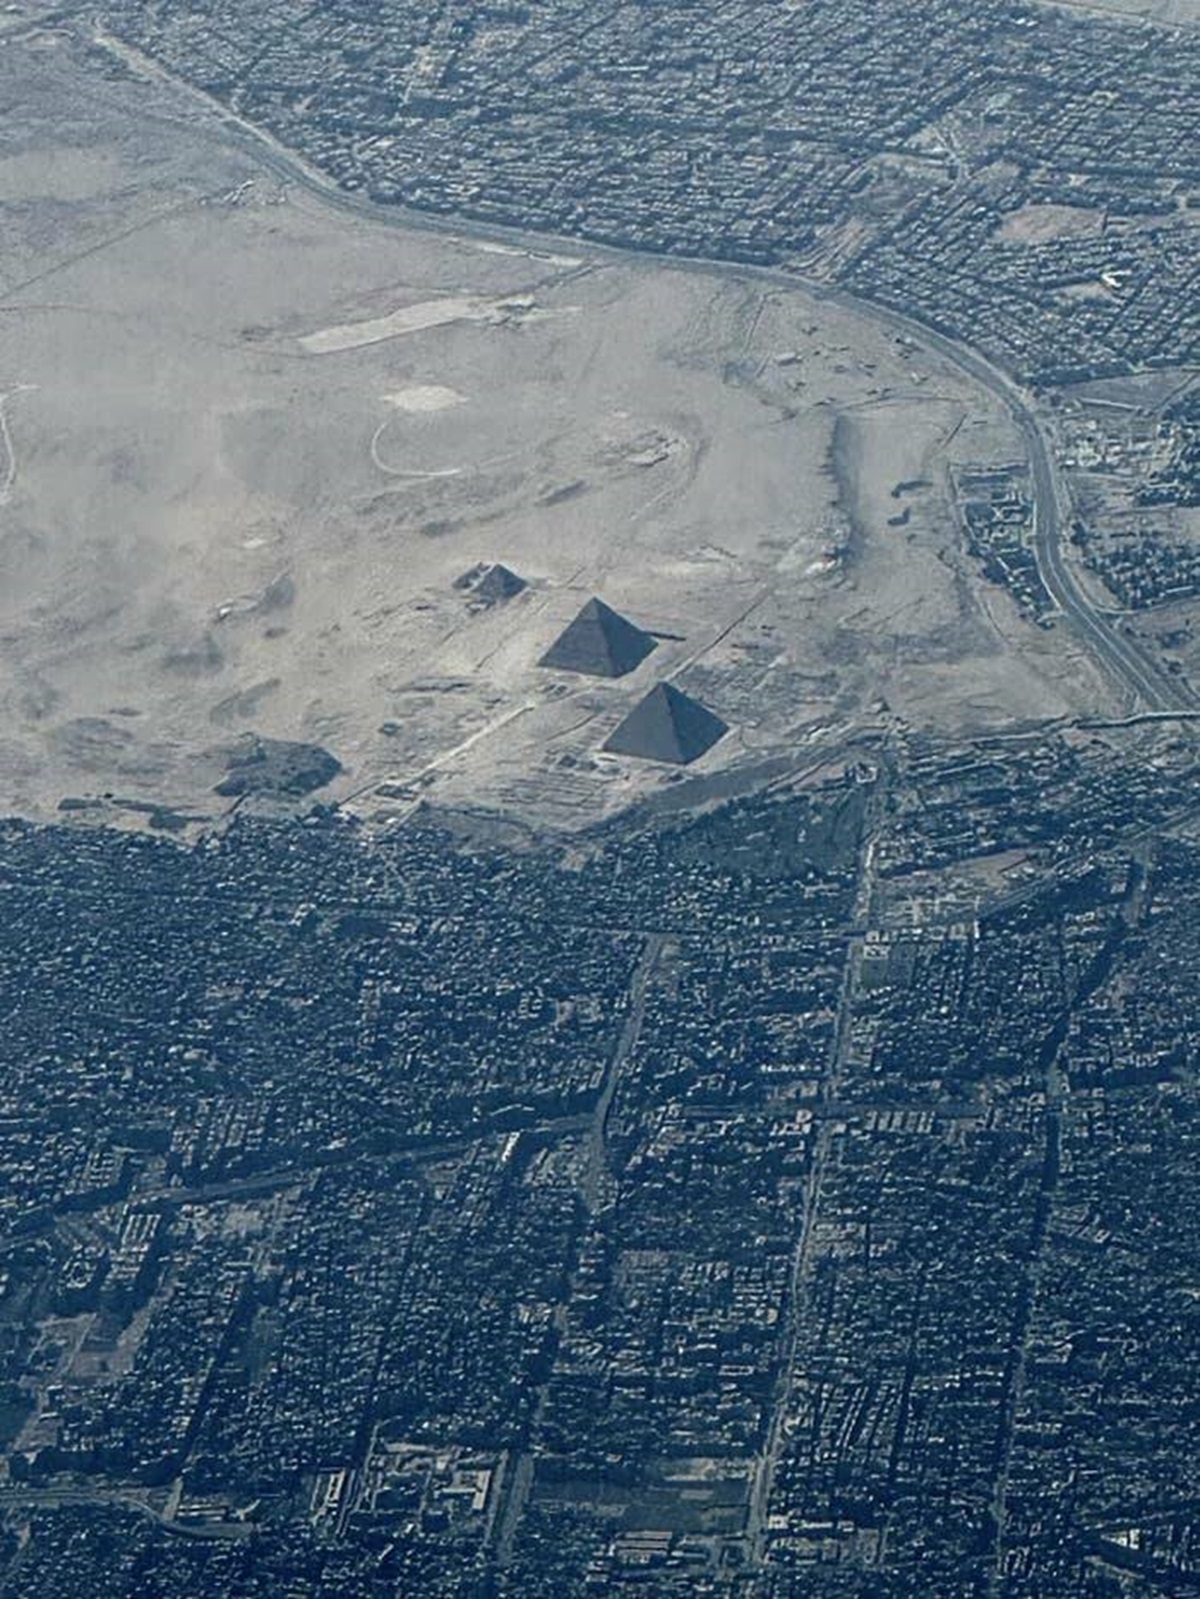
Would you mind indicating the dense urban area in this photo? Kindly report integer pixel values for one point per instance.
(791, 1195)
(791, 1199)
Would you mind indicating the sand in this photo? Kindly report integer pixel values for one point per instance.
(408, 319)
(249, 442)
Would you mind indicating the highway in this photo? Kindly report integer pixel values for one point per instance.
(1136, 677)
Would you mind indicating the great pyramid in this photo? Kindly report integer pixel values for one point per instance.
(599, 642)
(667, 725)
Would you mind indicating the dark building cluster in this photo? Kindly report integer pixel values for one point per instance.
(997, 515)
(1133, 454)
(1143, 571)
(911, 152)
(1176, 480)
(787, 1199)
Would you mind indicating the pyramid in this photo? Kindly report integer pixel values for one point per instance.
(499, 582)
(490, 584)
(600, 643)
(667, 725)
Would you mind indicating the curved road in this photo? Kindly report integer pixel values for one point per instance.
(1125, 662)
(1149, 687)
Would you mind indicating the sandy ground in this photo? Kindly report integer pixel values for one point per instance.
(1039, 224)
(249, 442)
(1173, 13)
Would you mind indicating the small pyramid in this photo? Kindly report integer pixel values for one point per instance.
(667, 725)
(499, 582)
(599, 642)
(491, 584)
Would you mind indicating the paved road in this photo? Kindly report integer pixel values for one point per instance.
(1140, 679)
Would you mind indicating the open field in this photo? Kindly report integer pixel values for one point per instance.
(249, 443)
(1038, 224)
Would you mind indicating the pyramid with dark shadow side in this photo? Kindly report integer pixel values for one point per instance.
(600, 642)
(498, 583)
(667, 725)
(490, 584)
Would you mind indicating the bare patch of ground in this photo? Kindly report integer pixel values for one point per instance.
(1041, 224)
(412, 319)
(420, 397)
